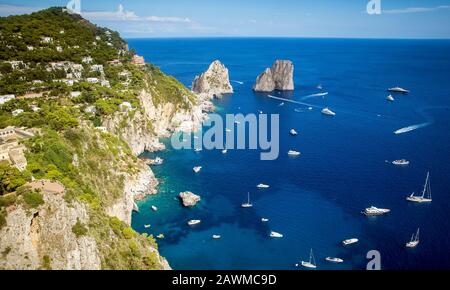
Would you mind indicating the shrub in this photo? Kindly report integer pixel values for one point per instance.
(33, 198)
(79, 229)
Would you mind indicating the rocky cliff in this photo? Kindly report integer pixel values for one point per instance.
(279, 77)
(214, 81)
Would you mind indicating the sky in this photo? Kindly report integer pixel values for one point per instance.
(258, 18)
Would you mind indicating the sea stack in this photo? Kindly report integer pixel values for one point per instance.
(279, 77)
(189, 199)
(213, 82)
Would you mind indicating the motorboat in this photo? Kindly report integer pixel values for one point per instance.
(401, 162)
(154, 208)
(293, 153)
(146, 226)
(398, 90)
(349, 241)
(275, 235)
(390, 98)
(216, 237)
(374, 211)
(194, 222)
(262, 186)
(264, 220)
(197, 169)
(334, 260)
(293, 132)
(327, 111)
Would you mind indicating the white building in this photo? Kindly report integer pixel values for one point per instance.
(102, 129)
(97, 68)
(17, 112)
(6, 98)
(87, 59)
(105, 83)
(92, 80)
(125, 106)
(46, 39)
(75, 94)
(30, 47)
(59, 49)
(90, 109)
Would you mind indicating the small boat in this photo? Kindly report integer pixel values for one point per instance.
(414, 240)
(310, 108)
(334, 260)
(319, 87)
(262, 186)
(197, 169)
(194, 222)
(293, 132)
(156, 161)
(264, 220)
(146, 226)
(160, 236)
(327, 111)
(400, 162)
(390, 98)
(154, 208)
(398, 90)
(374, 211)
(275, 235)
(224, 151)
(426, 193)
(349, 241)
(281, 104)
(260, 112)
(293, 153)
(298, 110)
(198, 149)
(216, 237)
(311, 264)
(248, 203)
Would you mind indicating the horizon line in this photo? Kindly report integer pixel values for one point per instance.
(285, 37)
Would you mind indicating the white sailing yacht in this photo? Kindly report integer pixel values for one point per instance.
(414, 240)
(248, 203)
(311, 264)
(426, 193)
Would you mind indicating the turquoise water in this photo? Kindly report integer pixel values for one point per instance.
(314, 200)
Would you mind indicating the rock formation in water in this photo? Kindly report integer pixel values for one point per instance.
(279, 77)
(213, 82)
(189, 199)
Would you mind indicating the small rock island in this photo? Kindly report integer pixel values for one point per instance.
(279, 77)
(213, 82)
(189, 199)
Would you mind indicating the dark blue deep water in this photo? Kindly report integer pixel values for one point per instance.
(315, 200)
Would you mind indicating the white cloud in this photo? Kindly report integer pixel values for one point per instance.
(416, 9)
(6, 9)
(122, 15)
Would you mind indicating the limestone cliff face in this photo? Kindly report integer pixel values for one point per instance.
(214, 82)
(34, 235)
(279, 77)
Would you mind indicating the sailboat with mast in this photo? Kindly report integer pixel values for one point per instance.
(426, 193)
(248, 203)
(414, 240)
(311, 264)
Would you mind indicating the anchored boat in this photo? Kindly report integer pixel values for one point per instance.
(311, 264)
(414, 240)
(426, 193)
(374, 211)
(248, 203)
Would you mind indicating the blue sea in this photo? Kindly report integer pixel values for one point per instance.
(316, 199)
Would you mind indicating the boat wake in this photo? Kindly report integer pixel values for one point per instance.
(315, 95)
(411, 128)
(292, 101)
(238, 82)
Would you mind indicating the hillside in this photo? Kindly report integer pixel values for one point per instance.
(76, 108)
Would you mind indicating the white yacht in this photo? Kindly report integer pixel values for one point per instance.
(426, 193)
(390, 98)
(160, 236)
(398, 90)
(154, 208)
(248, 203)
(293, 153)
(275, 235)
(327, 111)
(414, 240)
(262, 186)
(311, 264)
(334, 260)
(349, 241)
(293, 132)
(197, 169)
(156, 161)
(146, 226)
(224, 151)
(281, 104)
(264, 220)
(216, 237)
(194, 222)
(373, 211)
(401, 162)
